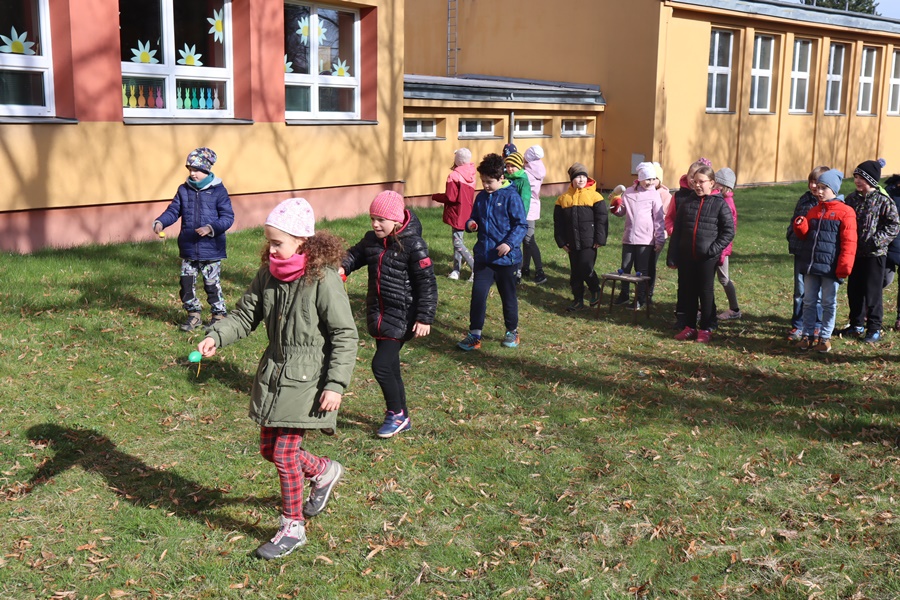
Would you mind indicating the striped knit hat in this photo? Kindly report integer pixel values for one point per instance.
(515, 159)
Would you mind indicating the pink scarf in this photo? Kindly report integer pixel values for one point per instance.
(287, 270)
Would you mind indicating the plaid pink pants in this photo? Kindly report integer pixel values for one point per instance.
(281, 445)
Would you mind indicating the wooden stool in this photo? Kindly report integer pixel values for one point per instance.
(613, 278)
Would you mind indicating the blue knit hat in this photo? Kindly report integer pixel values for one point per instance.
(833, 179)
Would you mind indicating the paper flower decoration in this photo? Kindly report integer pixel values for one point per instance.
(16, 44)
(303, 32)
(217, 28)
(143, 53)
(190, 57)
(287, 65)
(340, 68)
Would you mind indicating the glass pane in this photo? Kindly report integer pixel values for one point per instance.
(895, 98)
(713, 38)
(801, 58)
(837, 60)
(765, 54)
(721, 91)
(143, 92)
(20, 31)
(834, 96)
(21, 88)
(724, 50)
(201, 95)
(140, 32)
(409, 126)
(336, 43)
(199, 32)
(869, 63)
(896, 74)
(427, 126)
(754, 97)
(297, 98)
(337, 100)
(762, 99)
(865, 98)
(710, 90)
(800, 103)
(468, 126)
(296, 39)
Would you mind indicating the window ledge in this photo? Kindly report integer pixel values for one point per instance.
(761, 112)
(12, 120)
(480, 137)
(329, 122)
(800, 113)
(576, 135)
(175, 121)
(720, 112)
(424, 139)
(868, 114)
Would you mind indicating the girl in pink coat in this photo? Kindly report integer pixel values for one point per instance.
(457, 200)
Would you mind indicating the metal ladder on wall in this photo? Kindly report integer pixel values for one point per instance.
(452, 25)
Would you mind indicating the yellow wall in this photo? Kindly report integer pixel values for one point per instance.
(609, 43)
(54, 165)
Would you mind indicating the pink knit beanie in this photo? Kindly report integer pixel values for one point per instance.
(388, 205)
(294, 216)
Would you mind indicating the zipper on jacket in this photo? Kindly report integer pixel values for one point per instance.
(378, 288)
(812, 255)
(696, 224)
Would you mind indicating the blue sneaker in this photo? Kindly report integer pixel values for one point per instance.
(470, 342)
(873, 337)
(511, 339)
(393, 424)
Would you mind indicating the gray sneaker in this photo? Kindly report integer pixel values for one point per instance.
(320, 488)
(291, 535)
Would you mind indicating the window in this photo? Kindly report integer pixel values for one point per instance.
(176, 58)
(866, 81)
(761, 74)
(718, 83)
(834, 80)
(574, 127)
(894, 100)
(26, 75)
(528, 127)
(321, 62)
(419, 128)
(476, 128)
(800, 68)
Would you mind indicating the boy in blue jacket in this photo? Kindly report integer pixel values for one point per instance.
(204, 207)
(498, 216)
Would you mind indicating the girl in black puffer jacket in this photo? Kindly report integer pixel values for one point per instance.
(704, 226)
(402, 297)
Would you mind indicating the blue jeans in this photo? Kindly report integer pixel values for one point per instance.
(797, 317)
(485, 277)
(825, 287)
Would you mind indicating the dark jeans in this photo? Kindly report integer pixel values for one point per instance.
(695, 286)
(639, 257)
(864, 292)
(485, 276)
(581, 263)
(386, 368)
(531, 251)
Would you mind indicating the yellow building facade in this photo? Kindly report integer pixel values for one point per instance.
(769, 88)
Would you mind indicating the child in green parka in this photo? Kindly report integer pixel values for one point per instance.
(514, 163)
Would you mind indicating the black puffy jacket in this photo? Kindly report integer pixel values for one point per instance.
(402, 287)
(703, 228)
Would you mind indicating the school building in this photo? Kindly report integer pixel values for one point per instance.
(101, 100)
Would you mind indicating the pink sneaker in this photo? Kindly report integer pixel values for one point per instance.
(688, 333)
(703, 336)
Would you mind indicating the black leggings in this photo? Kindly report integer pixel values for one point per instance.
(386, 368)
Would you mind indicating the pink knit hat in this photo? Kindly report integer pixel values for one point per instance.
(294, 216)
(388, 205)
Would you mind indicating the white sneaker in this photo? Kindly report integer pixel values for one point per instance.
(471, 277)
(454, 275)
(729, 315)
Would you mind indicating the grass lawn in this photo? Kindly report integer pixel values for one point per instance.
(601, 459)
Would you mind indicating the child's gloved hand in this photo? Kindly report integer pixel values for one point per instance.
(157, 227)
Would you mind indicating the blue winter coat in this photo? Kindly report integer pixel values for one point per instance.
(209, 206)
(500, 217)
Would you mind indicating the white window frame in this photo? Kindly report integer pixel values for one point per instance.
(34, 63)
(835, 75)
(760, 73)
(576, 128)
(528, 127)
(714, 71)
(169, 69)
(868, 57)
(800, 79)
(894, 96)
(480, 130)
(420, 132)
(315, 81)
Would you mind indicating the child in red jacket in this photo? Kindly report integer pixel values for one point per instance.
(457, 200)
(828, 232)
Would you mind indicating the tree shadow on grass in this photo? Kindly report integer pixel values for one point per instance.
(135, 481)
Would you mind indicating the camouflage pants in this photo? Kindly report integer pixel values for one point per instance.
(210, 271)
